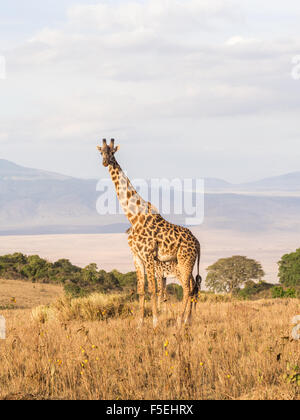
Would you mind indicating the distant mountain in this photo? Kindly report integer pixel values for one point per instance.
(251, 213)
(11, 171)
(288, 182)
(33, 200)
(212, 184)
(36, 202)
(283, 183)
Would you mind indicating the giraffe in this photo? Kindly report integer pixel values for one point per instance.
(164, 269)
(152, 238)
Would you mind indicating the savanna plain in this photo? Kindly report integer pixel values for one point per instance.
(90, 348)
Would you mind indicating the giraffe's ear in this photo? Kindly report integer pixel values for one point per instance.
(99, 148)
(116, 149)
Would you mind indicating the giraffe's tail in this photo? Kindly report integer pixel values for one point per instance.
(198, 279)
(197, 285)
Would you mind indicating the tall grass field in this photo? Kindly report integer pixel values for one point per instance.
(90, 348)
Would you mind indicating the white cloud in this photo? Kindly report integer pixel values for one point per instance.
(239, 40)
(3, 137)
(152, 15)
(131, 67)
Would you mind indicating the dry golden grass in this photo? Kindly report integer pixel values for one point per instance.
(22, 295)
(233, 350)
(95, 307)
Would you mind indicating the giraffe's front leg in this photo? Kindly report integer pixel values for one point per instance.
(152, 287)
(140, 272)
(161, 286)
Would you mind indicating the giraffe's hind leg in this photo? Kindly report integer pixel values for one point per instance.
(185, 268)
(194, 295)
(186, 302)
(188, 314)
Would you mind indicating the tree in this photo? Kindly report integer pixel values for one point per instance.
(228, 274)
(109, 282)
(127, 281)
(65, 266)
(289, 269)
(36, 267)
(90, 274)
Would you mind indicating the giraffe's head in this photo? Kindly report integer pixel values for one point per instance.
(108, 152)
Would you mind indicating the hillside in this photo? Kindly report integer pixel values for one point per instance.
(287, 183)
(17, 294)
(33, 201)
(11, 171)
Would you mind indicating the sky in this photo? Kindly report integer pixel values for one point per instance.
(188, 88)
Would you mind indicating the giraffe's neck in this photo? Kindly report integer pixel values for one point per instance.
(133, 205)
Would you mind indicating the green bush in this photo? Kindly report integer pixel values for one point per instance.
(74, 291)
(279, 292)
(77, 281)
(289, 269)
(251, 289)
(175, 290)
